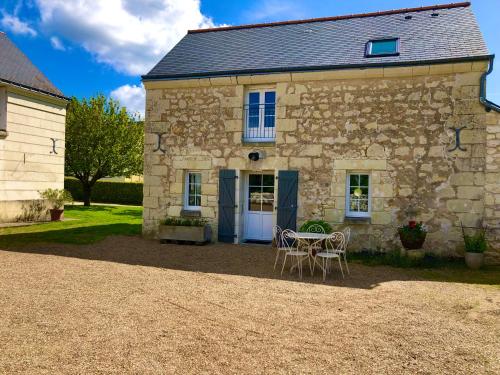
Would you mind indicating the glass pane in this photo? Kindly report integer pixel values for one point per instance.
(354, 180)
(267, 205)
(268, 193)
(254, 198)
(363, 205)
(268, 180)
(382, 47)
(269, 120)
(255, 180)
(253, 121)
(364, 192)
(270, 97)
(197, 200)
(254, 98)
(191, 200)
(353, 204)
(192, 189)
(363, 180)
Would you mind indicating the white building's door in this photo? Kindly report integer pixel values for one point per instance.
(259, 206)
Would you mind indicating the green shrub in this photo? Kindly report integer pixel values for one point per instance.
(305, 227)
(476, 243)
(184, 222)
(108, 192)
(56, 197)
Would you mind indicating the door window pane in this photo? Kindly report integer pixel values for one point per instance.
(261, 192)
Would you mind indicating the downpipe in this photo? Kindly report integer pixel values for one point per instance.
(482, 89)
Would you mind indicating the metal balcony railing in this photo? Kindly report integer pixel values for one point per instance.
(259, 122)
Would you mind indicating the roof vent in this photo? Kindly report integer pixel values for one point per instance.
(434, 14)
(408, 17)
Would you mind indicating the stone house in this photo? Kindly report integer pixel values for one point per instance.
(360, 120)
(32, 123)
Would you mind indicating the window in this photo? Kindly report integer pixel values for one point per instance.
(382, 47)
(260, 192)
(3, 112)
(260, 116)
(193, 191)
(358, 195)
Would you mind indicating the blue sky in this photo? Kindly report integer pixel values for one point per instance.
(88, 46)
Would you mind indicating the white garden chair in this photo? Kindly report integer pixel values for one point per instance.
(293, 249)
(279, 243)
(347, 236)
(334, 245)
(316, 228)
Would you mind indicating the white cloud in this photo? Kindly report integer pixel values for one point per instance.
(129, 35)
(132, 97)
(14, 24)
(57, 44)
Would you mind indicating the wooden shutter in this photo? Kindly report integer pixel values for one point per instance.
(227, 204)
(288, 186)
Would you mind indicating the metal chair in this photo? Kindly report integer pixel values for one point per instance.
(292, 244)
(315, 228)
(347, 236)
(334, 245)
(318, 245)
(277, 238)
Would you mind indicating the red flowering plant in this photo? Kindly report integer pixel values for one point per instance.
(412, 235)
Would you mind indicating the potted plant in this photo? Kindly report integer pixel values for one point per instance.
(475, 246)
(56, 199)
(185, 229)
(412, 238)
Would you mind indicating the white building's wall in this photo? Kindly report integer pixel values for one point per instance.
(27, 161)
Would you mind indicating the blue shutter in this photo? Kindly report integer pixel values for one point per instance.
(227, 205)
(288, 187)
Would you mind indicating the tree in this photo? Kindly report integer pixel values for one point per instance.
(102, 140)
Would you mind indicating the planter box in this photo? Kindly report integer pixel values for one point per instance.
(199, 235)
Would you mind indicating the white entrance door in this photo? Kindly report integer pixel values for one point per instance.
(259, 205)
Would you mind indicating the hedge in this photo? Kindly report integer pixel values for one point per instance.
(107, 192)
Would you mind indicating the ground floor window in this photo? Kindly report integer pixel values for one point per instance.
(358, 195)
(193, 191)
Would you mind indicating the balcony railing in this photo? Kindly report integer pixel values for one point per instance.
(260, 122)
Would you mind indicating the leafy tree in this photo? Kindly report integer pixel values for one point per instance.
(102, 140)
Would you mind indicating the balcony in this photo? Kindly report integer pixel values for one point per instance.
(259, 122)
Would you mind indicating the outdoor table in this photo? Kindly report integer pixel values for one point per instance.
(311, 238)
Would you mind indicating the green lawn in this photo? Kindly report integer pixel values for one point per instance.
(83, 225)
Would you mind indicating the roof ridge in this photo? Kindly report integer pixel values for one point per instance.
(334, 18)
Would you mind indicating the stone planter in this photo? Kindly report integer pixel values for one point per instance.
(474, 260)
(55, 214)
(199, 235)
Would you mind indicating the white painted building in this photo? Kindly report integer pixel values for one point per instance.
(32, 128)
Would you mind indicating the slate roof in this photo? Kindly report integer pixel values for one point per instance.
(326, 43)
(17, 69)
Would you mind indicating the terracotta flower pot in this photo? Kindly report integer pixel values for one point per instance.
(55, 214)
(474, 260)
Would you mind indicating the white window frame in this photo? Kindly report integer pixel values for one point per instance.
(348, 212)
(261, 128)
(369, 45)
(3, 108)
(186, 192)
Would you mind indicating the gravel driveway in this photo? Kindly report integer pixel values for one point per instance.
(129, 305)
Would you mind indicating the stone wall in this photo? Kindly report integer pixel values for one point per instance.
(27, 163)
(393, 123)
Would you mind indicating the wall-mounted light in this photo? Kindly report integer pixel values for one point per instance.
(256, 155)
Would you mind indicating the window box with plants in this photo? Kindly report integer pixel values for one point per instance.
(412, 238)
(475, 246)
(56, 199)
(174, 229)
